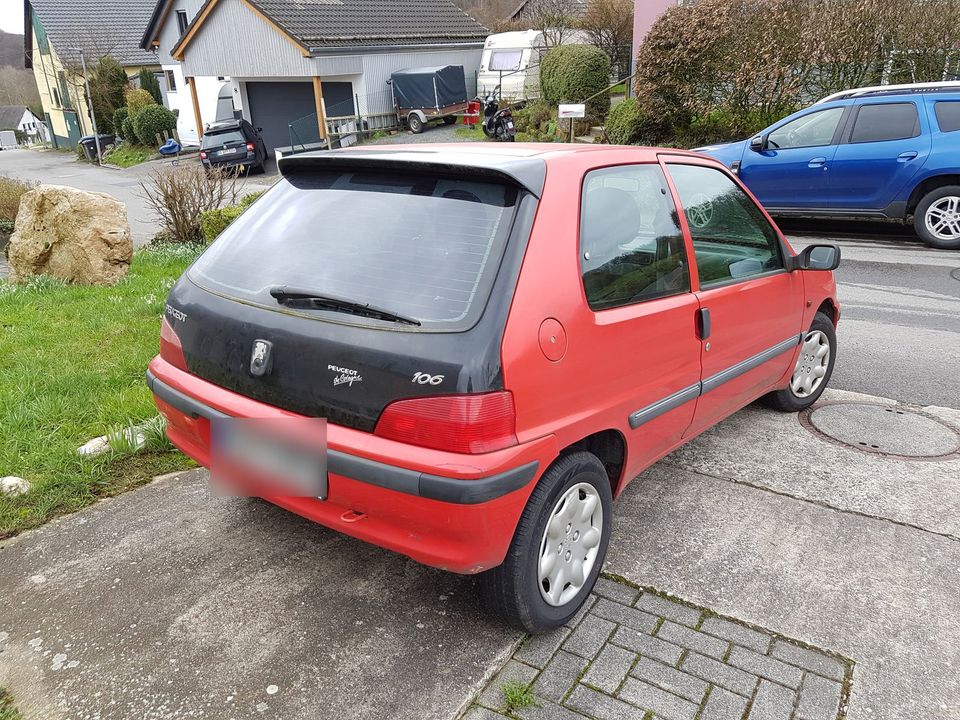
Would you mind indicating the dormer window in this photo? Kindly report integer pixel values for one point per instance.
(182, 21)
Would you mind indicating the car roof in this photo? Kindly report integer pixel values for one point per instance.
(223, 125)
(928, 88)
(523, 163)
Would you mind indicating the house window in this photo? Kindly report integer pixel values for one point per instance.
(182, 21)
(171, 81)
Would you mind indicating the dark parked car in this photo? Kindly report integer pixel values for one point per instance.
(233, 143)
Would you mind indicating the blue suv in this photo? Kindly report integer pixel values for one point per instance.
(888, 152)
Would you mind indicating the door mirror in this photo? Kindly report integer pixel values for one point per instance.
(758, 143)
(818, 257)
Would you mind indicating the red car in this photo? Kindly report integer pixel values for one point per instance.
(497, 339)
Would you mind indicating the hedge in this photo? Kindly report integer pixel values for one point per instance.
(128, 132)
(573, 73)
(214, 222)
(153, 120)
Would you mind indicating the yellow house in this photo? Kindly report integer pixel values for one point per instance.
(54, 33)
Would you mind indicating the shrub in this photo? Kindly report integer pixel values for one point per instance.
(149, 82)
(536, 122)
(153, 120)
(11, 190)
(214, 222)
(129, 133)
(137, 100)
(179, 194)
(120, 116)
(108, 84)
(573, 73)
(627, 123)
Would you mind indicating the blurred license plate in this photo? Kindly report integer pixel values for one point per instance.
(284, 457)
(510, 124)
(230, 151)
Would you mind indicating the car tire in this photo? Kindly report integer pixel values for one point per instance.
(450, 120)
(415, 124)
(941, 202)
(514, 591)
(798, 395)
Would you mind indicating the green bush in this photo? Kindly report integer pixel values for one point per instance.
(573, 73)
(120, 116)
(214, 222)
(153, 120)
(627, 123)
(536, 122)
(149, 82)
(137, 100)
(129, 133)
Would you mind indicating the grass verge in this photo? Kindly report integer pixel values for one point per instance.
(72, 362)
(472, 132)
(129, 155)
(7, 709)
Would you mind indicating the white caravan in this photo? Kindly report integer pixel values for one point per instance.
(512, 60)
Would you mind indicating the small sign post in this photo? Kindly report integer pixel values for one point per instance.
(571, 111)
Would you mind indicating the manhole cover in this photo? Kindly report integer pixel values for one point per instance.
(884, 429)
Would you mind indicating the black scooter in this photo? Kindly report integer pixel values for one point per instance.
(497, 123)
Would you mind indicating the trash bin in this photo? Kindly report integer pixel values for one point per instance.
(89, 145)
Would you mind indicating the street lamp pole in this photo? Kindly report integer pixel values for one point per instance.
(93, 115)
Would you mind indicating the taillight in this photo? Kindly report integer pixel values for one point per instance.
(170, 348)
(203, 154)
(251, 147)
(477, 423)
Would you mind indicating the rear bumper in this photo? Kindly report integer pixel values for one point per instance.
(248, 159)
(456, 512)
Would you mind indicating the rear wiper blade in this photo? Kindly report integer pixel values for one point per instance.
(296, 297)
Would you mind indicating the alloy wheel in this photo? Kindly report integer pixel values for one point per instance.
(943, 218)
(571, 539)
(812, 364)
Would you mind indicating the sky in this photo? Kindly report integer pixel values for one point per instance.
(11, 16)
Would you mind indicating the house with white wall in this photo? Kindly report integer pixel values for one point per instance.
(303, 62)
(168, 22)
(19, 117)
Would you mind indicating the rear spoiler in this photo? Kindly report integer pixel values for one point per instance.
(528, 173)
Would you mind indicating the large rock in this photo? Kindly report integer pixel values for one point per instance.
(77, 236)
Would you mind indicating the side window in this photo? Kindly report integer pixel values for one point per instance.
(732, 240)
(182, 22)
(631, 245)
(948, 115)
(882, 122)
(811, 130)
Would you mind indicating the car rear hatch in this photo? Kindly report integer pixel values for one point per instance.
(349, 286)
(225, 146)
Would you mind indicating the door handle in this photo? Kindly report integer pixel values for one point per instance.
(817, 162)
(703, 323)
(906, 156)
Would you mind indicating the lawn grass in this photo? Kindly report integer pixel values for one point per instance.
(128, 155)
(72, 364)
(7, 709)
(473, 132)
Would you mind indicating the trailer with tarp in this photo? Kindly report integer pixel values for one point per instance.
(429, 93)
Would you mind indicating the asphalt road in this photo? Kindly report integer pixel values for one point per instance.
(899, 332)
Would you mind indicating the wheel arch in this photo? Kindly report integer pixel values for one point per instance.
(610, 446)
(829, 308)
(926, 185)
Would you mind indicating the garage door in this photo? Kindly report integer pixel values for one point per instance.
(274, 105)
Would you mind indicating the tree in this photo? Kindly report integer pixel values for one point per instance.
(556, 19)
(149, 82)
(609, 25)
(108, 83)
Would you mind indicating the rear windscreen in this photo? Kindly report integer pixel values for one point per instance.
(421, 246)
(221, 138)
